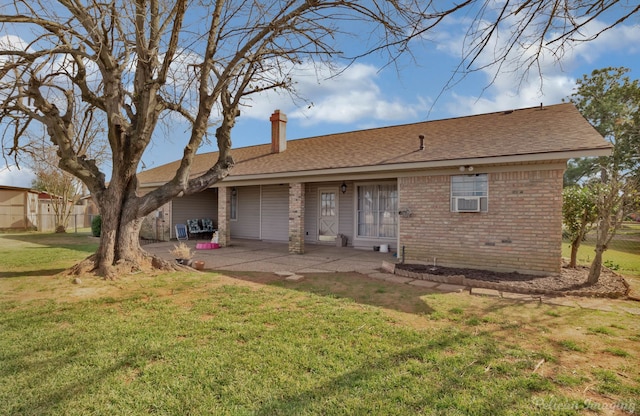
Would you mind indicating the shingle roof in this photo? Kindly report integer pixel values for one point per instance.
(17, 188)
(530, 133)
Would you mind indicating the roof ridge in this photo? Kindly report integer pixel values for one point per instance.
(398, 125)
(417, 122)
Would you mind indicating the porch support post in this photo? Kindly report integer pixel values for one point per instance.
(296, 218)
(224, 216)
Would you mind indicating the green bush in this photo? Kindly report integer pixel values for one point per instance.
(96, 226)
(611, 265)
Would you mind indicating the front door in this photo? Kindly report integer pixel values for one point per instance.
(327, 214)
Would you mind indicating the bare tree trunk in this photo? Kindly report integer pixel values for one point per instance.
(601, 245)
(119, 252)
(596, 266)
(105, 256)
(575, 245)
(115, 246)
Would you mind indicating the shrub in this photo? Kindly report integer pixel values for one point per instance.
(181, 251)
(96, 226)
(611, 265)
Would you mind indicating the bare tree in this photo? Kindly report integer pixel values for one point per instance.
(137, 62)
(64, 189)
(519, 33)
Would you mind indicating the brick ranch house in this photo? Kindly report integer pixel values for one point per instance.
(481, 191)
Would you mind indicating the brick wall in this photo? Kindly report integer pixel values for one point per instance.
(522, 229)
(296, 218)
(224, 216)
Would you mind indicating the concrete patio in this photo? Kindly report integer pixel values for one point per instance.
(260, 256)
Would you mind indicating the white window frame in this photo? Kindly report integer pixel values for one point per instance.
(376, 213)
(468, 188)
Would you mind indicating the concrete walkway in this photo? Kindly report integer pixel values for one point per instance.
(259, 256)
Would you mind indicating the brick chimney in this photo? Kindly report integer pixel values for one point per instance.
(278, 132)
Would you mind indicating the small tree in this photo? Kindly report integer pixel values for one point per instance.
(616, 198)
(611, 103)
(578, 215)
(63, 192)
(64, 189)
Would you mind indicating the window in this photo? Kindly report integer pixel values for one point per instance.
(328, 204)
(233, 211)
(469, 193)
(377, 211)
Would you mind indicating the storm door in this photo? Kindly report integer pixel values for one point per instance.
(327, 214)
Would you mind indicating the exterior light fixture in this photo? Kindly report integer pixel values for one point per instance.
(234, 191)
(463, 168)
(343, 187)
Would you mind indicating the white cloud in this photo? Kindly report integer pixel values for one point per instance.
(12, 176)
(12, 43)
(619, 38)
(552, 79)
(554, 89)
(343, 95)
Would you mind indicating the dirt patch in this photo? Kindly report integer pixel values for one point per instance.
(570, 282)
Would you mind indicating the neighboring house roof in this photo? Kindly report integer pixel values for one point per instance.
(532, 134)
(41, 194)
(17, 188)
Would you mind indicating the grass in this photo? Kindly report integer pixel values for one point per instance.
(252, 344)
(571, 345)
(601, 330)
(36, 254)
(618, 352)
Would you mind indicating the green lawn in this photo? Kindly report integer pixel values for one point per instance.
(36, 253)
(210, 344)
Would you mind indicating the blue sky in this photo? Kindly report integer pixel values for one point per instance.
(369, 94)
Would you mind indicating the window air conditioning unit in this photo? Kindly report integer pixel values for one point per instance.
(467, 204)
